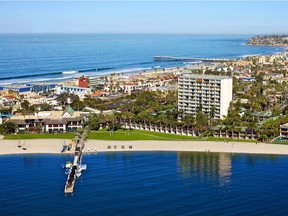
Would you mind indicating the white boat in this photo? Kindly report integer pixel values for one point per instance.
(78, 174)
(80, 168)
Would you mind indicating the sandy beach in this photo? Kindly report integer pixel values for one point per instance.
(54, 146)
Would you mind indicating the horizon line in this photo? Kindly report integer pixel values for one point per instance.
(139, 33)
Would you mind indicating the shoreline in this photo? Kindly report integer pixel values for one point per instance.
(54, 146)
(127, 71)
(61, 80)
(284, 46)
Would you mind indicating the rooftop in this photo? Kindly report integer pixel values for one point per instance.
(69, 110)
(46, 115)
(188, 74)
(285, 126)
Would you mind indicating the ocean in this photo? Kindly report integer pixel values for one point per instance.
(48, 57)
(146, 183)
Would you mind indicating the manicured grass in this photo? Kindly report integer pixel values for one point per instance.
(40, 136)
(136, 135)
(149, 135)
(123, 135)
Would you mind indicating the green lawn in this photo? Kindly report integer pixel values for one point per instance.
(136, 135)
(149, 135)
(121, 135)
(106, 135)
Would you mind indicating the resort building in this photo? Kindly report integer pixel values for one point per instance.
(50, 121)
(284, 130)
(263, 115)
(83, 82)
(207, 93)
(95, 81)
(26, 88)
(17, 88)
(134, 87)
(73, 90)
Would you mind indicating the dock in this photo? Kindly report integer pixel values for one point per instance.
(173, 58)
(71, 179)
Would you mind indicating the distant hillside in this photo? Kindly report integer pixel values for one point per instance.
(269, 40)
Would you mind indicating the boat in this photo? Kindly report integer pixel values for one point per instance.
(67, 167)
(67, 171)
(79, 170)
(81, 167)
(64, 147)
(78, 173)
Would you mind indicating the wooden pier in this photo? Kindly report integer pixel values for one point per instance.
(173, 58)
(70, 183)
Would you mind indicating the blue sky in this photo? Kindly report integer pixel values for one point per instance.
(187, 17)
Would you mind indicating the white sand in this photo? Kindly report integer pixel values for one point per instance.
(53, 146)
(31, 145)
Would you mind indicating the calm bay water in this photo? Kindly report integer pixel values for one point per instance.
(147, 183)
(45, 57)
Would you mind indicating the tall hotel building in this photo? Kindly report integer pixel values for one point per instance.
(204, 91)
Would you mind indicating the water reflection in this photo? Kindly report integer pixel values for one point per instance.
(30, 159)
(114, 157)
(205, 166)
(254, 159)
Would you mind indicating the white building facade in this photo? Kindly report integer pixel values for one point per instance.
(205, 93)
(73, 90)
(50, 121)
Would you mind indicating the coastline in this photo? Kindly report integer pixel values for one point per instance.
(67, 71)
(63, 80)
(269, 45)
(54, 146)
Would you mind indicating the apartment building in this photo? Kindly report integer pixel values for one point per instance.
(204, 93)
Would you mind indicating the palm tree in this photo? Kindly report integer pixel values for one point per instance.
(188, 121)
(130, 116)
(212, 114)
(201, 122)
(252, 128)
(111, 119)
